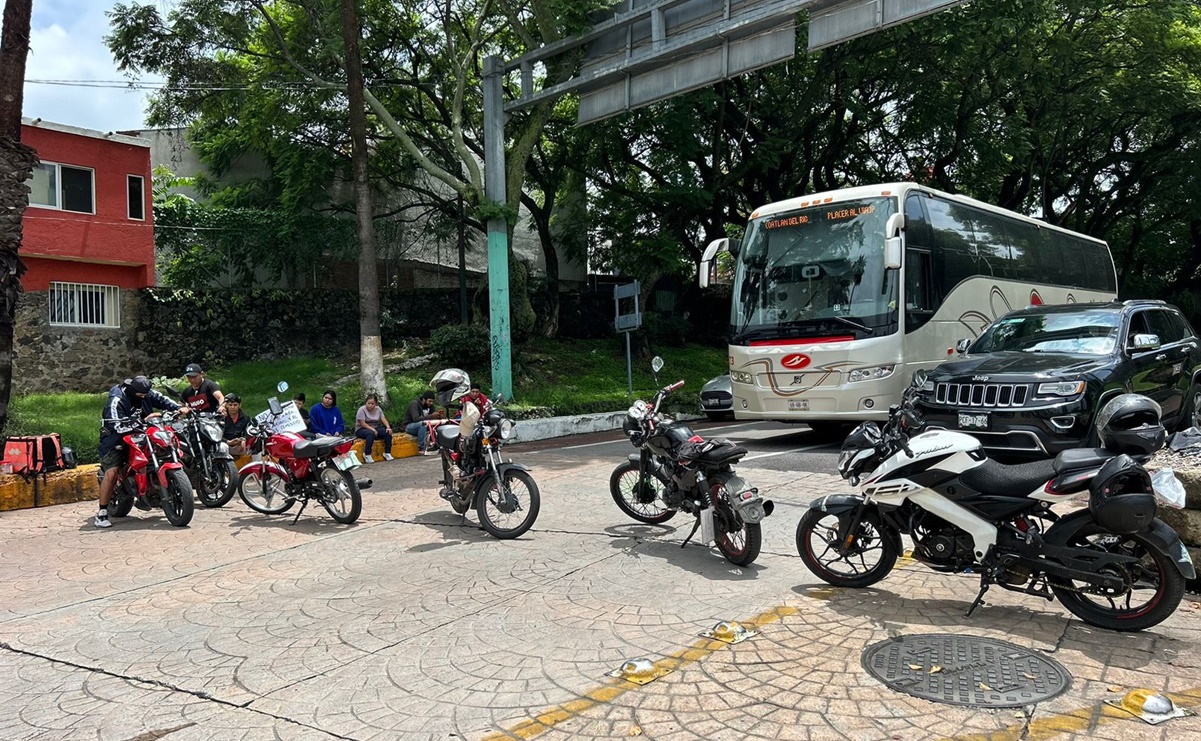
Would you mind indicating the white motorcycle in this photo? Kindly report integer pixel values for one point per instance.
(1112, 564)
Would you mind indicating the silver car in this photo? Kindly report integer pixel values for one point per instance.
(717, 398)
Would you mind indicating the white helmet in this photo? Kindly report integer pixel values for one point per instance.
(450, 383)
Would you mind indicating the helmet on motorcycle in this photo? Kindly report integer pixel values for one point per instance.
(450, 383)
(138, 385)
(860, 451)
(493, 417)
(1130, 424)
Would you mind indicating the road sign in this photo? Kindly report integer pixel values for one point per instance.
(627, 316)
(833, 23)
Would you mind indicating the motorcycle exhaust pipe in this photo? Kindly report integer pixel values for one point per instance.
(363, 483)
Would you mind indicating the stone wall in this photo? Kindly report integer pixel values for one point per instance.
(48, 359)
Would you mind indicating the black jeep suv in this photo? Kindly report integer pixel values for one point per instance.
(1031, 383)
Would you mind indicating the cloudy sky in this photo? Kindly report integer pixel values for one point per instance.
(67, 43)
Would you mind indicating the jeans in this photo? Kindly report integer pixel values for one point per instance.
(369, 436)
(421, 431)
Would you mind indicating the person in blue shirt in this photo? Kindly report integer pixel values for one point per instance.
(326, 417)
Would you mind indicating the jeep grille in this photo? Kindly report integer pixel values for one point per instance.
(981, 394)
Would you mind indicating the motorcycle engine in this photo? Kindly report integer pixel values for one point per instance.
(941, 545)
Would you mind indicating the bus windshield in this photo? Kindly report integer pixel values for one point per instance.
(816, 272)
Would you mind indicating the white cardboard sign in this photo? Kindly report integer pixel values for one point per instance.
(289, 421)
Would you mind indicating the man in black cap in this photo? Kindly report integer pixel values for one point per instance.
(201, 395)
(133, 399)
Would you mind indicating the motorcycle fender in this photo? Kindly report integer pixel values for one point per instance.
(1160, 533)
(746, 500)
(257, 468)
(635, 457)
(163, 469)
(849, 504)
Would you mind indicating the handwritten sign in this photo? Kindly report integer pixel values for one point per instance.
(289, 421)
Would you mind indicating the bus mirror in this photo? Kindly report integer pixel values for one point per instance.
(734, 246)
(892, 253)
(705, 269)
(895, 224)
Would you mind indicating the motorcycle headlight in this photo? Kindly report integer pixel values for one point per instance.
(163, 438)
(874, 373)
(211, 431)
(506, 429)
(1060, 388)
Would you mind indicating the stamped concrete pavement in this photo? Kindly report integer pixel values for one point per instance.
(414, 624)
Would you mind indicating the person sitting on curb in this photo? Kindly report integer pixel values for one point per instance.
(370, 423)
(326, 417)
(475, 396)
(236, 424)
(420, 410)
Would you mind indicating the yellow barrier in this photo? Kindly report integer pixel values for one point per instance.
(61, 487)
(403, 446)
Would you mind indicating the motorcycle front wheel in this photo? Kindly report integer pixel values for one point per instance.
(738, 541)
(216, 489)
(1154, 587)
(868, 559)
(265, 492)
(638, 495)
(508, 508)
(342, 498)
(177, 499)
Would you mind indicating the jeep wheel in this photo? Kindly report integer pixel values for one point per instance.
(1192, 409)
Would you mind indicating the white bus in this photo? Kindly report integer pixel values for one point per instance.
(839, 297)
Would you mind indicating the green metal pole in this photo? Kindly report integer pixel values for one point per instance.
(498, 229)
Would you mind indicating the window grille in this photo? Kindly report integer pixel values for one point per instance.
(84, 305)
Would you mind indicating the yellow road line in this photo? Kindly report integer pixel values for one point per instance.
(1081, 720)
(606, 693)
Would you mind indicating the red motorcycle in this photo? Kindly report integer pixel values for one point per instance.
(288, 468)
(153, 475)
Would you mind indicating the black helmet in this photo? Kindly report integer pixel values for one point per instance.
(1130, 424)
(138, 385)
(860, 451)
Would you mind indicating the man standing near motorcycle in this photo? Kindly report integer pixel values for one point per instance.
(418, 412)
(201, 395)
(133, 396)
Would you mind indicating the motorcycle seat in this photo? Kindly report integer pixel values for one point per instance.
(712, 452)
(1070, 460)
(1017, 480)
(315, 448)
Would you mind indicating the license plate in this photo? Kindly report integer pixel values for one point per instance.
(347, 462)
(798, 405)
(712, 402)
(973, 420)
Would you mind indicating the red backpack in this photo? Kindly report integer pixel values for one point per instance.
(37, 454)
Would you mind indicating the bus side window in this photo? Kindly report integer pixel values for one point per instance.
(919, 304)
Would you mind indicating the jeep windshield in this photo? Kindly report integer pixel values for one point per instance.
(816, 272)
(1078, 333)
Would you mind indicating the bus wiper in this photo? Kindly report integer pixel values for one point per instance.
(849, 323)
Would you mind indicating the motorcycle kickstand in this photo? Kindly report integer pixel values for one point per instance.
(985, 583)
(694, 529)
(300, 511)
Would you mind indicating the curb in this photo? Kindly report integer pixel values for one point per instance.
(530, 430)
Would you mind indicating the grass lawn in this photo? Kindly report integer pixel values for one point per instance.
(551, 377)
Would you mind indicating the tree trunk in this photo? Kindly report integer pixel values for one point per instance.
(16, 165)
(371, 349)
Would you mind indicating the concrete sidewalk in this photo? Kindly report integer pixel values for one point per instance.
(414, 624)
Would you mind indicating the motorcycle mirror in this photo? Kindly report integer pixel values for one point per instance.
(173, 393)
(282, 386)
(657, 363)
(500, 399)
(273, 403)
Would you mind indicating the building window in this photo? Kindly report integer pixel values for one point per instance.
(137, 199)
(84, 305)
(63, 187)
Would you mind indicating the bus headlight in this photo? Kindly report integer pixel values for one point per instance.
(740, 377)
(1060, 388)
(871, 374)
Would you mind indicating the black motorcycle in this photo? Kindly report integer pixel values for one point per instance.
(1113, 563)
(676, 469)
(474, 473)
(206, 458)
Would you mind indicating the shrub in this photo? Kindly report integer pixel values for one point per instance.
(462, 346)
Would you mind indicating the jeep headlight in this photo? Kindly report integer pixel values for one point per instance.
(874, 373)
(740, 377)
(1060, 388)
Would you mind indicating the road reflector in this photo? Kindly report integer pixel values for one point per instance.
(729, 631)
(640, 671)
(1149, 705)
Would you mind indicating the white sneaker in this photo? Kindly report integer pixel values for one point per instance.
(102, 519)
(387, 456)
(368, 459)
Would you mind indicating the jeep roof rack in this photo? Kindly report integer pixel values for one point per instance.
(1133, 301)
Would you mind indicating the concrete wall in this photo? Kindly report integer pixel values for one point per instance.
(72, 359)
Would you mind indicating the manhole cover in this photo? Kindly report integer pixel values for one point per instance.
(966, 670)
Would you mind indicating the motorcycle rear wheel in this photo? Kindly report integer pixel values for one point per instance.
(217, 489)
(493, 498)
(177, 499)
(342, 499)
(265, 492)
(120, 505)
(629, 488)
(737, 540)
(817, 539)
(1154, 575)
